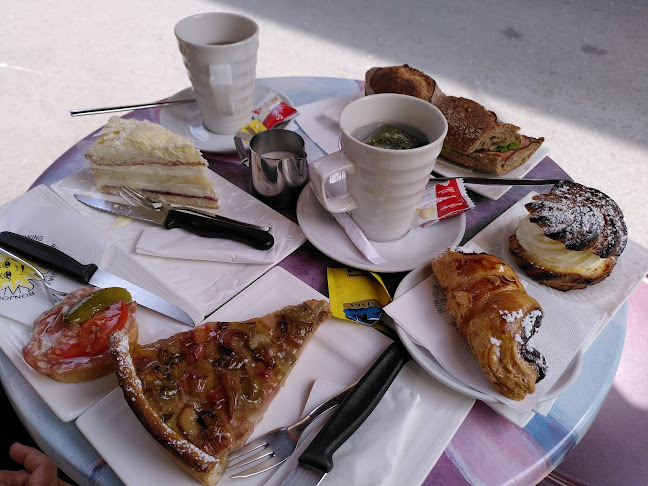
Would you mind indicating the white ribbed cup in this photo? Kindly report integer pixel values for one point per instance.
(383, 186)
(219, 50)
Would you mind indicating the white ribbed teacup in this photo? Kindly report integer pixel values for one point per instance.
(219, 50)
(383, 186)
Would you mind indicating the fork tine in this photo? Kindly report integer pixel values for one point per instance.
(249, 447)
(241, 461)
(264, 466)
(54, 296)
(146, 200)
(132, 197)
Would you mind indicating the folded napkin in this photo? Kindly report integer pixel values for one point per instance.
(54, 226)
(198, 285)
(368, 457)
(320, 128)
(22, 295)
(50, 220)
(178, 243)
(565, 328)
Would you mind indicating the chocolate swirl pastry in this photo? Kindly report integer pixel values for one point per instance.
(571, 238)
(497, 317)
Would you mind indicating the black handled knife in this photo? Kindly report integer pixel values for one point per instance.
(190, 221)
(317, 459)
(89, 274)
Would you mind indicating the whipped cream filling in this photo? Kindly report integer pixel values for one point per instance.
(554, 253)
(177, 179)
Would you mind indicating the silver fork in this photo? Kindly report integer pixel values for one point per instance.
(277, 445)
(55, 296)
(137, 198)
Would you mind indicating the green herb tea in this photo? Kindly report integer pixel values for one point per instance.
(392, 136)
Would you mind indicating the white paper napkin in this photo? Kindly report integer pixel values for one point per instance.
(56, 224)
(178, 243)
(565, 328)
(22, 295)
(201, 285)
(322, 129)
(368, 457)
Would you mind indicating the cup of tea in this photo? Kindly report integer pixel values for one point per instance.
(219, 50)
(389, 145)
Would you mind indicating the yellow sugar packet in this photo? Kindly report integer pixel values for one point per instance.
(250, 130)
(357, 295)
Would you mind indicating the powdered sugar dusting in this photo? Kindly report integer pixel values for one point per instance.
(581, 217)
(496, 343)
(511, 316)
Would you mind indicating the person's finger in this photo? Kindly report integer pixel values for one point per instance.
(42, 468)
(13, 478)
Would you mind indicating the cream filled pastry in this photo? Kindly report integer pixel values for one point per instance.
(571, 238)
(148, 157)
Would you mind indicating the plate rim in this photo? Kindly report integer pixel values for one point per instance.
(368, 266)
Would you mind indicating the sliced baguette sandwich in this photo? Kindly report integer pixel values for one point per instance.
(478, 139)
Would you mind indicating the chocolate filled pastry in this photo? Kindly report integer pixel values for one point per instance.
(496, 316)
(571, 238)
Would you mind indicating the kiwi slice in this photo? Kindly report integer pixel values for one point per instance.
(98, 301)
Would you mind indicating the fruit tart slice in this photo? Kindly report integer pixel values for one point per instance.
(200, 393)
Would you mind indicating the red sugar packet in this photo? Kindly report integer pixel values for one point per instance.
(441, 201)
(272, 110)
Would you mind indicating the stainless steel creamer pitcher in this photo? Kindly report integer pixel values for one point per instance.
(278, 166)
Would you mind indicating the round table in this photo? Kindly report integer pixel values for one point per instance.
(487, 449)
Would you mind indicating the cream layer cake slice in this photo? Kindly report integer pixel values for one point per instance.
(148, 157)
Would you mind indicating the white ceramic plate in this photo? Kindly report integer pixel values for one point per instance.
(185, 119)
(69, 400)
(424, 358)
(416, 248)
(340, 352)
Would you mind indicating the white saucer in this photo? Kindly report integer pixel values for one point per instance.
(425, 359)
(185, 119)
(416, 248)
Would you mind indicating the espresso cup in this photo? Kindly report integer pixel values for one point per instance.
(380, 187)
(219, 50)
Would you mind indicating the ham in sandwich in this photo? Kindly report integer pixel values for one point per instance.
(478, 139)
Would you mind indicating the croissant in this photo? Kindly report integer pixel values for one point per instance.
(496, 316)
